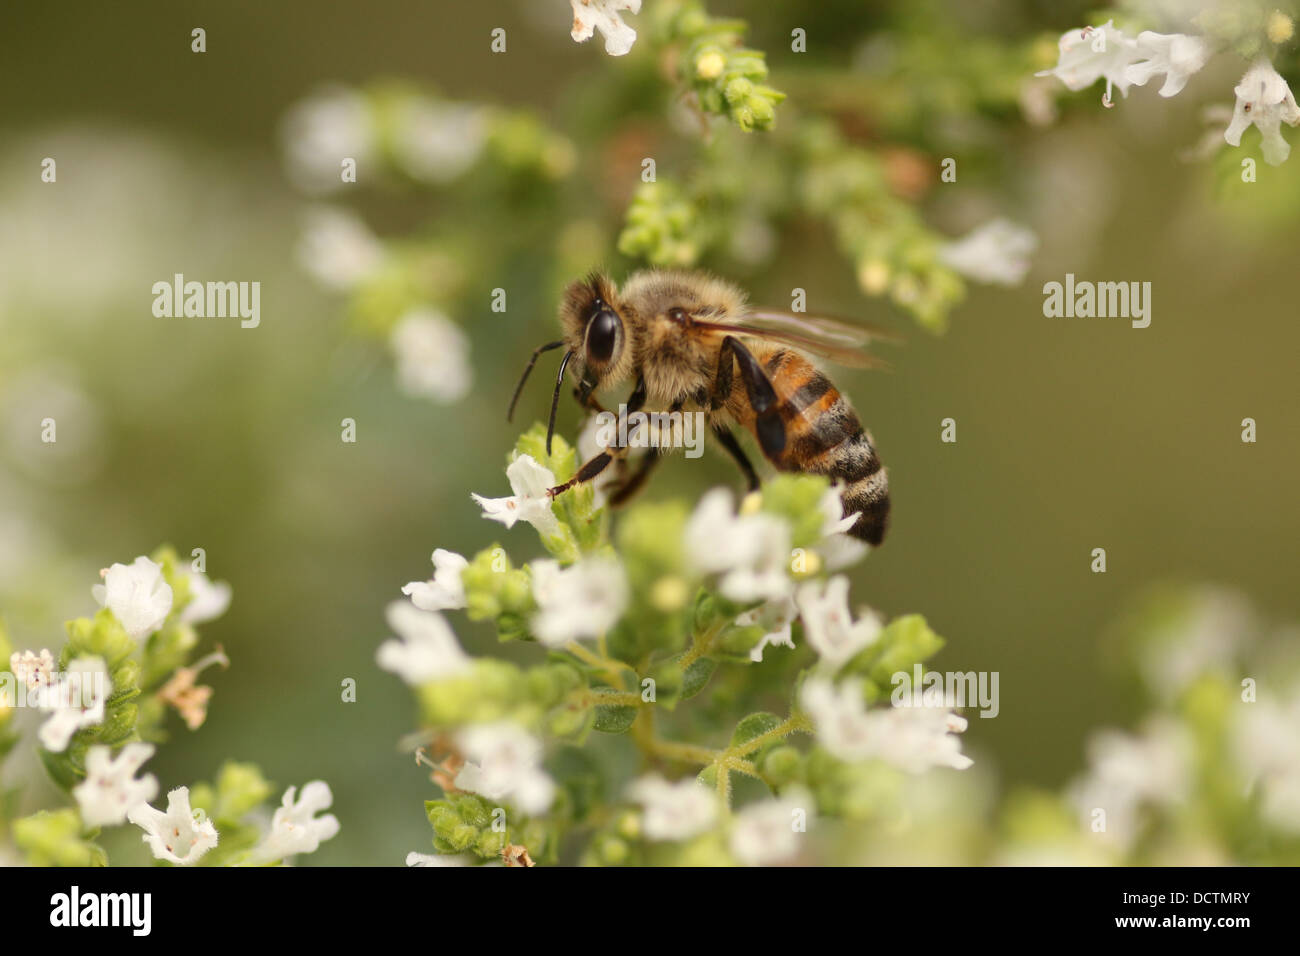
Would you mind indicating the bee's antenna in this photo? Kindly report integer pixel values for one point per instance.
(527, 371)
(555, 399)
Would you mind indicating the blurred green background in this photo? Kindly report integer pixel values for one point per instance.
(1072, 434)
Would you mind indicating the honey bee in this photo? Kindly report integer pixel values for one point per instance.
(689, 342)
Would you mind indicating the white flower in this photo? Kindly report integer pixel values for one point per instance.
(776, 618)
(34, 670)
(432, 356)
(829, 624)
(444, 592)
(503, 761)
(436, 142)
(1264, 99)
(137, 594)
(427, 649)
(1091, 53)
(1127, 771)
(674, 811)
(322, 131)
(771, 831)
(838, 548)
(834, 520)
(1176, 55)
(584, 600)
(763, 571)
(710, 532)
(918, 738)
(1208, 639)
(439, 859)
(913, 739)
(1268, 745)
(208, 601)
(997, 253)
(603, 15)
(529, 481)
(337, 248)
(751, 552)
(295, 828)
(110, 791)
(76, 700)
(180, 835)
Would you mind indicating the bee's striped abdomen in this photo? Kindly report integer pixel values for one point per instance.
(823, 436)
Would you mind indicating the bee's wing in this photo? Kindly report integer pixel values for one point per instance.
(832, 339)
(854, 333)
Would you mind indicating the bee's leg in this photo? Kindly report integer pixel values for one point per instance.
(588, 471)
(595, 466)
(728, 441)
(620, 494)
(768, 427)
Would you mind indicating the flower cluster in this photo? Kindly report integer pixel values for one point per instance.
(401, 290)
(1211, 776)
(500, 184)
(733, 603)
(854, 191)
(107, 694)
(723, 77)
(1263, 97)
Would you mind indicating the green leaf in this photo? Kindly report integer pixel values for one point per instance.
(61, 769)
(755, 725)
(668, 681)
(696, 676)
(614, 719)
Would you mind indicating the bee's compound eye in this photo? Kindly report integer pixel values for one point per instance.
(602, 336)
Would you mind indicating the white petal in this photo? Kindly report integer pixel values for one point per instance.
(427, 649)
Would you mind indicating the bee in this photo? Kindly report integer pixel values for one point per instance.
(690, 342)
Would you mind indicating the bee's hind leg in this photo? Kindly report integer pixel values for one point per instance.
(728, 441)
(768, 427)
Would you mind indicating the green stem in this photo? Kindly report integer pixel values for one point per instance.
(794, 724)
(701, 644)
(611, 669)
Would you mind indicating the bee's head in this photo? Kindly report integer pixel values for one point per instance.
(596, 334)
